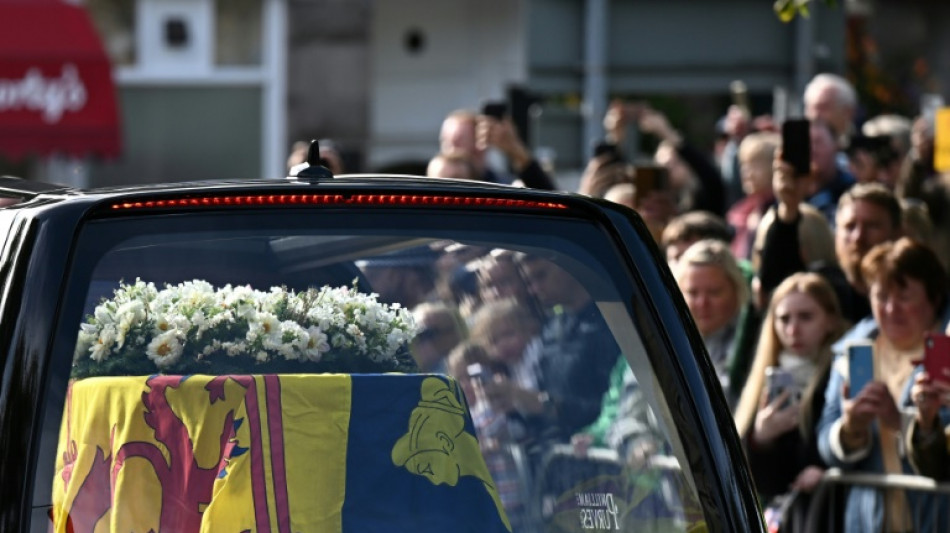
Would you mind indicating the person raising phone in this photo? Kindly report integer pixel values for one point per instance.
(693, 176)
(861, 430)
(778, 426)
(792, 236)
(927, 439)
(472, 134)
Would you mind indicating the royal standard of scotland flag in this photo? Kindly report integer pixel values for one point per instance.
(272, 453)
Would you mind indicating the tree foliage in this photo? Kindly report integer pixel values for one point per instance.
(787, 10)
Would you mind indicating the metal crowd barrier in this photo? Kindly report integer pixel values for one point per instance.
(911, 484)
(562, 472)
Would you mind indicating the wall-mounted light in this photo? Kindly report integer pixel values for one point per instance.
(176, 32)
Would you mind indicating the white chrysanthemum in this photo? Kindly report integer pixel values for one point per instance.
(99, 351)
(83, 345)
(165, 349)
(104, 315)
(196, 294)
(357, 338)
(293, 338)
(103, 344)
(200, 321)
(224, 317)
(88, 334)
(395, 339)
(235, 348)
(265, 327)
(133, 311)
(246, 310)
(180, 322)
(129, 315)
(317, 344)
(163, 324)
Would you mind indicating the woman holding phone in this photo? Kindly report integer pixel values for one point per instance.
(927, 439)
(861, 430)
(778, 426)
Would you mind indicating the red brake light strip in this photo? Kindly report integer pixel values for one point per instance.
(334, 199)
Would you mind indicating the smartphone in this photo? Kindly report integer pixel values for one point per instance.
(796, 145)
(496, 109)
(607, 149)
(860, 366)
(777, 381)
(647, 178)
(937, 356)
(476, 372)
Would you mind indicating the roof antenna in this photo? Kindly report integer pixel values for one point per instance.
(314, 169)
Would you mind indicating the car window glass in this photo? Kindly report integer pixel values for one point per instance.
(558, 418)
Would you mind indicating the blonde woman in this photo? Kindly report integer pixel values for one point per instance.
(716, 291)
(803, 320)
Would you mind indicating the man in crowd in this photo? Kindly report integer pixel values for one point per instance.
(868, 215)
(831, 180)
(470, 134)
(832, 99)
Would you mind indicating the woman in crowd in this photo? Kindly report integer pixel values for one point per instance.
(778, 428)
(756, 152)
(861, 430)
(716, 292)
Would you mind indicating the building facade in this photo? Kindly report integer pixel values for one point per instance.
(222, 88)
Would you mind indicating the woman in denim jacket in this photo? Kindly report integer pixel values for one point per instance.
(864, 431)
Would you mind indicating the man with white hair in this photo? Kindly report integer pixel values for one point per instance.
(832, 99)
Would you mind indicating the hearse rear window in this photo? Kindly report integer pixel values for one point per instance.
(342, 372)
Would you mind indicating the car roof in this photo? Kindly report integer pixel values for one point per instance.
(24, 195)
(13, 187)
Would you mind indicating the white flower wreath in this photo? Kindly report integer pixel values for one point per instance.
(194, 327)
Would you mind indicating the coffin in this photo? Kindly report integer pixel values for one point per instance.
(282, 453)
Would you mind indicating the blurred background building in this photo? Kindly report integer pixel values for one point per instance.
(209, 89)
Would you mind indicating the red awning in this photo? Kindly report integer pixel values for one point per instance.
(56, 90)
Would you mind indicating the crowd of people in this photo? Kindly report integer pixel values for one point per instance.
(515, 330)
(782, 272)
(784, 277)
